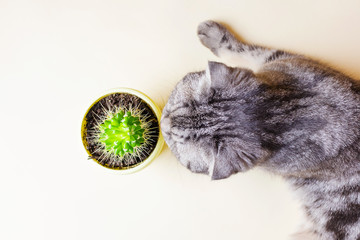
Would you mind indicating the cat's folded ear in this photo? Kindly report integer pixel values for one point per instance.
(217, 73)
(224, 162)
(230, 159)
(220, 169)
(221, 75)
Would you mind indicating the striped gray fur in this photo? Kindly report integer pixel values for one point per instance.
(293, 116)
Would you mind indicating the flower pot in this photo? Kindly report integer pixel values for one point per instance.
(121, 130)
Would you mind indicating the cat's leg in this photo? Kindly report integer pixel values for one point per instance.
(225, 45)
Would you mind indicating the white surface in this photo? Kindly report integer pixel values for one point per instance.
(55, 56)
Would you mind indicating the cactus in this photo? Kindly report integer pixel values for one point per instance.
(121, 133)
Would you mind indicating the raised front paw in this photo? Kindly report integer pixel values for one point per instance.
(213, 35)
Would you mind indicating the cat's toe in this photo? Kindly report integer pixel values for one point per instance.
(212, 34)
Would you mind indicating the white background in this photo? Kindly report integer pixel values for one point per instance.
(57, 56)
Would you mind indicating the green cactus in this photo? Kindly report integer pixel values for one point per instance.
(121, 133)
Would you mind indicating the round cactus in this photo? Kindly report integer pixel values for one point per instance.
(121, 133)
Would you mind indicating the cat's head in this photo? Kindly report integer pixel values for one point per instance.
(203, 123)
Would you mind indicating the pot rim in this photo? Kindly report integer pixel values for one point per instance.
(152, 105)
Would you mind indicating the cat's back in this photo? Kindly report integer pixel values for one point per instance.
(324, 85)
(306, 73)
(311, 108)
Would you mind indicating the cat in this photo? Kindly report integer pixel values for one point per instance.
(289, 115)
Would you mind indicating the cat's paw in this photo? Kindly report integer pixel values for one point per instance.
(213, 35)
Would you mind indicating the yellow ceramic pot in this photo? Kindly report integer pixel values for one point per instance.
(157, 112)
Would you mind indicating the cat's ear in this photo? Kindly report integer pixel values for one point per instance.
(217, 73)
(230, 159)
(221, 75)
(219, 169)
(222, 165)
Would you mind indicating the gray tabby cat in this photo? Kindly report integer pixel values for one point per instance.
(293, 116)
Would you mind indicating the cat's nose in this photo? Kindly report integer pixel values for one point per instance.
(165, 125)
